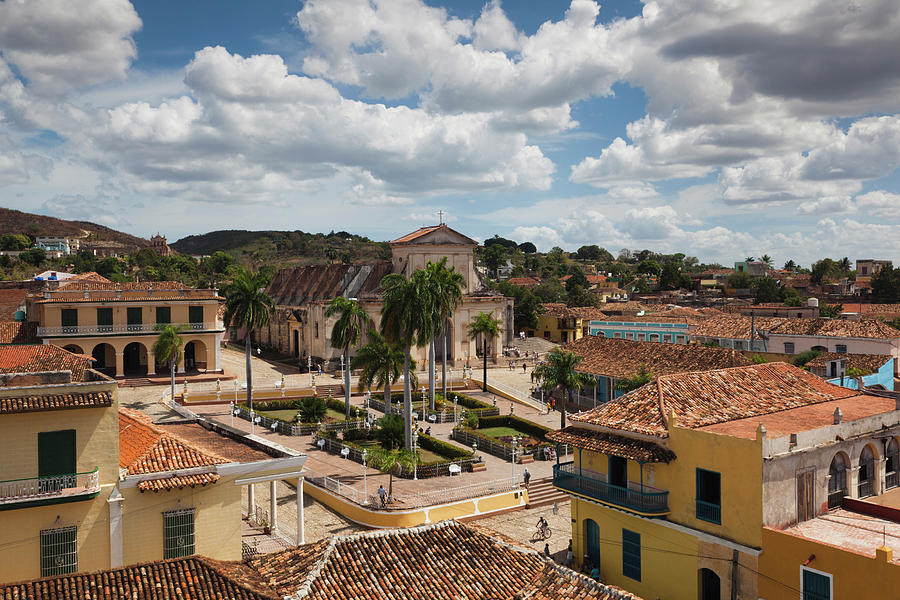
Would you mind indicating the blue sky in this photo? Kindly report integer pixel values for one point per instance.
(718, 131)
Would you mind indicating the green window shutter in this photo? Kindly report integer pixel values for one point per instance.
(56, 453)
(816, 586)
(70, 317)
(105, 317)
(135, 315)
(178, 533)
(709, 496)
(163, 314)
(631, 554)
(59, 551)
(195, 314)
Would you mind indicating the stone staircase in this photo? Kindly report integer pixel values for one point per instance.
(336, 391)
(542, 493)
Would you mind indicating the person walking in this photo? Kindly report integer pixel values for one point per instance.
(382, 495)
(524, 368)
(547, 550)
(526, 476)
(570, 556)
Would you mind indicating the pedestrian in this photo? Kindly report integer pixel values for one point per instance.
(570, 556)
(527, 477)
(547, 550)
(382, 495)
(524, 368)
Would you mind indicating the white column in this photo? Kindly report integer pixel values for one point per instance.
(151, 363)
(120, 364)
(218, 351)
(273, 504)
(301, 536)
(115, 501)
(251, 501)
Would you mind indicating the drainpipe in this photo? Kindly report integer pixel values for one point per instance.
(579, 463)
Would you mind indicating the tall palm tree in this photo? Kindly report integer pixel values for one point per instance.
(406, 320)
(559, 373)
(845, 266)
(389, 461)
(347, 332)
(445, 296)
(169, 347)
(766, 259)
(247, 305)
(381, 364)
(486, 325)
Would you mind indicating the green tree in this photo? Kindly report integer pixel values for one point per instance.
(550, 291)
(672, 278)
(831, 311)
(33, 256)
(346, 332)
(825, 271)
(578, 296)
(391, 461)
(445, 294)
(390, 431)
(804, 357)
(845, 266)
(486, 325)
(493, 258)
(649, 267)
(14, 241)
(168, 348)
(527, 247)
(380, 363)
(526, 305)
(767, 290)
(886, 285)
(312, 410)
(790, 265)
(639, 379)
(559, 373)
(740, 280)
(577, 278)
(591, 252)
(758, 359)
(765, 258)
(247, 305)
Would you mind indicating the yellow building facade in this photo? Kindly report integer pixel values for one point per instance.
(116, 324)
(562, 324)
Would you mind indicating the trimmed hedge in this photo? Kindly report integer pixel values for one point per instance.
(525, 426)
(449, 452)
(441, 447)
(294, 404)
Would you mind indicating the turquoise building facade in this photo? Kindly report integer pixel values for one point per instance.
(642, 331)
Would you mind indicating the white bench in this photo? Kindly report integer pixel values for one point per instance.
(432, 418)
(345, 452)
(321, 444)
(455, 469)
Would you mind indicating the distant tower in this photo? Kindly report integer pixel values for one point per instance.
(158, 244)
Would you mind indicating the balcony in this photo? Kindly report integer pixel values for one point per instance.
(709, 511)
(589, 484)
(38, 491)
(83, 330)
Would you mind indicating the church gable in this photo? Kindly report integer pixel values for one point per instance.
(435, 235)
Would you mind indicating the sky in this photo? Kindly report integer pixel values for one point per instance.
(717, 128)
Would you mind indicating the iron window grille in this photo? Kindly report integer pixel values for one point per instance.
(178, 533)
(59, 551)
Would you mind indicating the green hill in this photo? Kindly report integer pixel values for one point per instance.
(16, 221)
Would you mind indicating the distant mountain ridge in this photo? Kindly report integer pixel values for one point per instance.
(16, 221)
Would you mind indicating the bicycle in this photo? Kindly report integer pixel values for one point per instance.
(543, 533)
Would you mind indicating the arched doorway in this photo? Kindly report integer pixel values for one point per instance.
(104, 359)
(866, 485)
(592, 535)
(837, 480)
(194, 355)
(73, 348)
(135, 359)
(892, 463)
(710, 585)
(296, 342)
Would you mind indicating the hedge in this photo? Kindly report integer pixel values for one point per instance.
(448, 451)
(441, 447)
(294, 404)
(439, 400)
(524, 425)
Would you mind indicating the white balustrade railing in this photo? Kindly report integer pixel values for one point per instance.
(120, 328)
(34, 488)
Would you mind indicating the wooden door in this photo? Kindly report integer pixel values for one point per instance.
(806, 495)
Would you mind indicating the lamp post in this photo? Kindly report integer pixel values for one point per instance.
(423, 403)
(252, 419)
(474, 448)
(231, 412)
(415, 438)
(282, 385)
(365, 455)
(515, 444)
(309, 364)
(455, 414)
(235, 390)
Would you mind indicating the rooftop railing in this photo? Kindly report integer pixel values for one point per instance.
(568, 478)
(120, 328)
(29, 489)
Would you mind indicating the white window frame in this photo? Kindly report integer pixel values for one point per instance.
(617, 335)
(793, 348)
(679, 339)
(823, 573)
(667, 338)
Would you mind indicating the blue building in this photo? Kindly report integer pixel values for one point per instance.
(834, 367)
(672, 330)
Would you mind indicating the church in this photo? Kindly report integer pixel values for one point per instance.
(301, 295)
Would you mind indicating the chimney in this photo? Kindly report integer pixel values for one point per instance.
(838, 416)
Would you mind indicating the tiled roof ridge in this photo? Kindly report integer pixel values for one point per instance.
(217, 567)
(316, 570)
(161, 436)
(660, 404)
(614, 593)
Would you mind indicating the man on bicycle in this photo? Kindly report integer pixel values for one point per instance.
(542, 523)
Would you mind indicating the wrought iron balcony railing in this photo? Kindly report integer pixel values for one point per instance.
(568, 478)
(118, 329)
(57, 487)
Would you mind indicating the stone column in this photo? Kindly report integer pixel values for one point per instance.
(273, 504)
(115, 501)
(301, 536)
(151, 363)
(120, 364)
(880, 475)
(853, 492)
(251, 501)
(181, 365)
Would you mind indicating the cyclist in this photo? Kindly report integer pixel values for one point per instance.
(542, 523)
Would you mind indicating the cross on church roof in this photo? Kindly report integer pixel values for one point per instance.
(441, 216)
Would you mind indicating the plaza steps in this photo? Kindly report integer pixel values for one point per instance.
(336, 391)
(135, 382)
(524, 460)
(542, 493)
(479, 467)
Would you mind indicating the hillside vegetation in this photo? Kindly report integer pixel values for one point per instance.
(16, 222)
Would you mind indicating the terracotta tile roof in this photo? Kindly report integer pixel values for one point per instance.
(710, 397)
(651, 318)
(23, 404)
(836, 328)
(621, 308)
(735, 327)
(609, 443)
(91, 283)
(422, 231)
(300, 285)
(34, 358)
(523, 281)
(210, 442)
(90, 276)
(18, 332)
(866, 362)
(69, 295)
(561, 311)
(621, 358)
(10, 301)
(194, 578)
(446, 560)
(144, 448)
(873, 309)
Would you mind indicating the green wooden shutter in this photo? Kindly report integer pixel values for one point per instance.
(70, 317)
(195, 314)
(105, 317)
(135, 315)
(163, 314)
(631, 554)
(56, 453)
(816, 586)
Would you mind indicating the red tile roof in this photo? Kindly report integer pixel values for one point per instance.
(523, 281)
(423, 231)
(621, 358)
(34, 358)
(710, 397)
(10, 301)
(866, 362)
(609, 443)
(735, 327)
(836, 328)
(561, 311)
(18, 332)
(144, 448)
(23, 404)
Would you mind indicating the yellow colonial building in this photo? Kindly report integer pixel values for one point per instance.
(562, 324)
(691, 486)
(85, 486)
(116, 323)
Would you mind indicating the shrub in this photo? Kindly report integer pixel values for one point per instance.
(804, 357)
(312, 410)
(390, 431)
(758, 359)
(443, 448)
(472, 420)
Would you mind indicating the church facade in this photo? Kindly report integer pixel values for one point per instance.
(301, 295)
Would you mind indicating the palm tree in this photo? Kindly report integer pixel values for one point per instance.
(749, 259)
(168, 347)
(486, 325)
(346, 332)
(388, 461)
(559, 373)
(247, 305)
(445, 296)
(790, 265)
(766, 259)
(406, 320)
(381, 364)
(845, 266)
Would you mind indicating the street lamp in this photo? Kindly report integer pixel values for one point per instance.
(455, 415)
(309, 364)
(474, 448)
(365, 455)
(515, 444)
(415, 437)
(423, 403)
